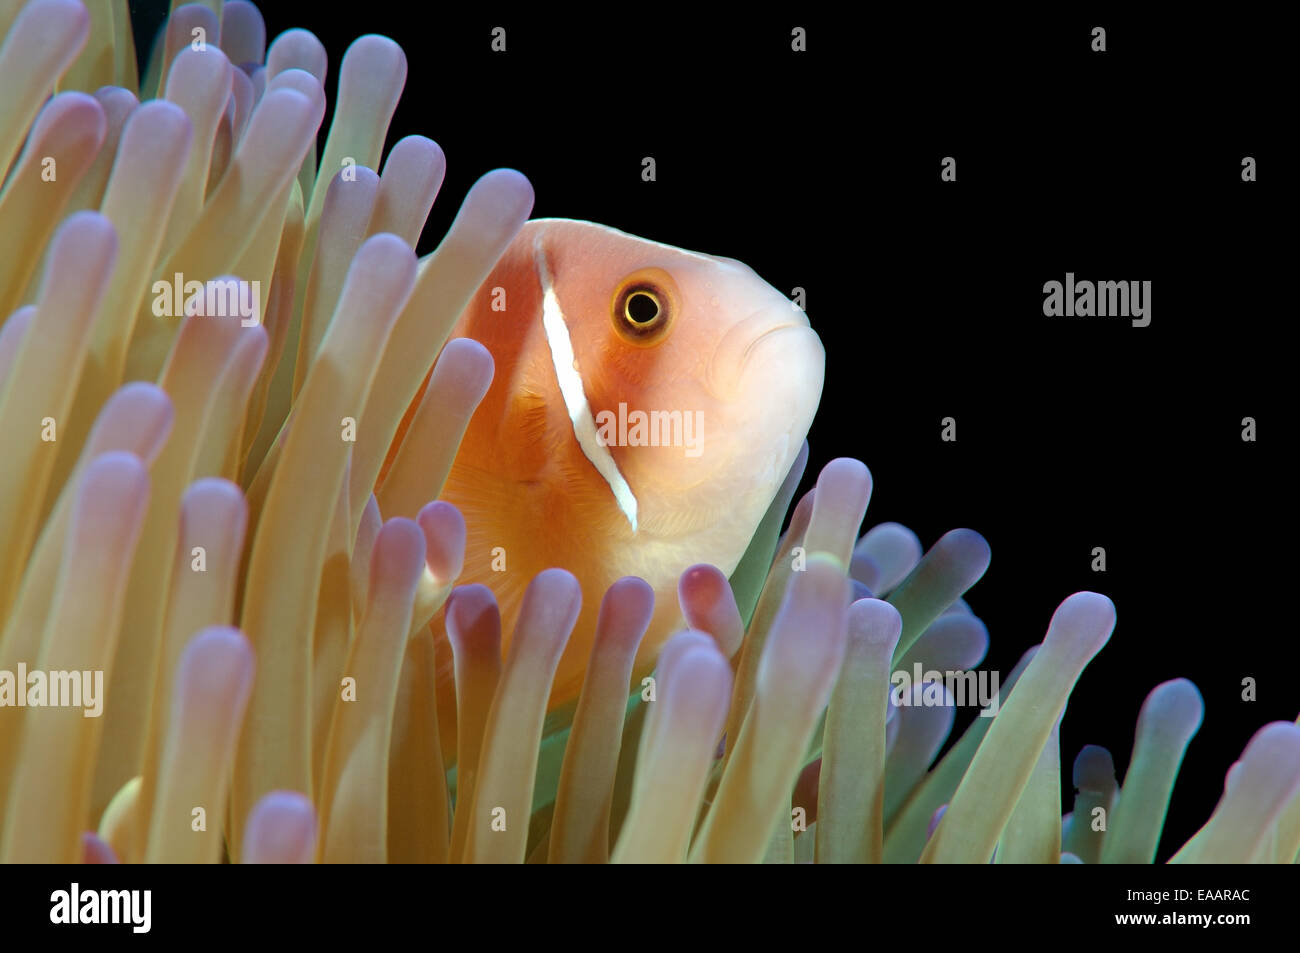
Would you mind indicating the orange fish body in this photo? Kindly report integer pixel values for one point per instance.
(647, 403)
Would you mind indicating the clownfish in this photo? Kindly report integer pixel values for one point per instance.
(646, 405)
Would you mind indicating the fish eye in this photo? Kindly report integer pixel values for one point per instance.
(644, 306)
(641, 307)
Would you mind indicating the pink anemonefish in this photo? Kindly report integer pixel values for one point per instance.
(646, 405)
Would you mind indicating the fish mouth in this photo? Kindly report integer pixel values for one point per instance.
(742, 347)
(749, 348)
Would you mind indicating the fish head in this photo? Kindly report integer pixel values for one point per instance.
(700, 379)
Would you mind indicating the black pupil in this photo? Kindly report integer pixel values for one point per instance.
(642, 308)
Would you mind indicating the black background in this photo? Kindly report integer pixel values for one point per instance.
(821, 170)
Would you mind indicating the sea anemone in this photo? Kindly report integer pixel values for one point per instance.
(191, 504)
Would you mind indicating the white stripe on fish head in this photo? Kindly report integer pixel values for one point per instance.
(569, 376)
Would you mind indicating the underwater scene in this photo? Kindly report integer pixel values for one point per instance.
(411, 458)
